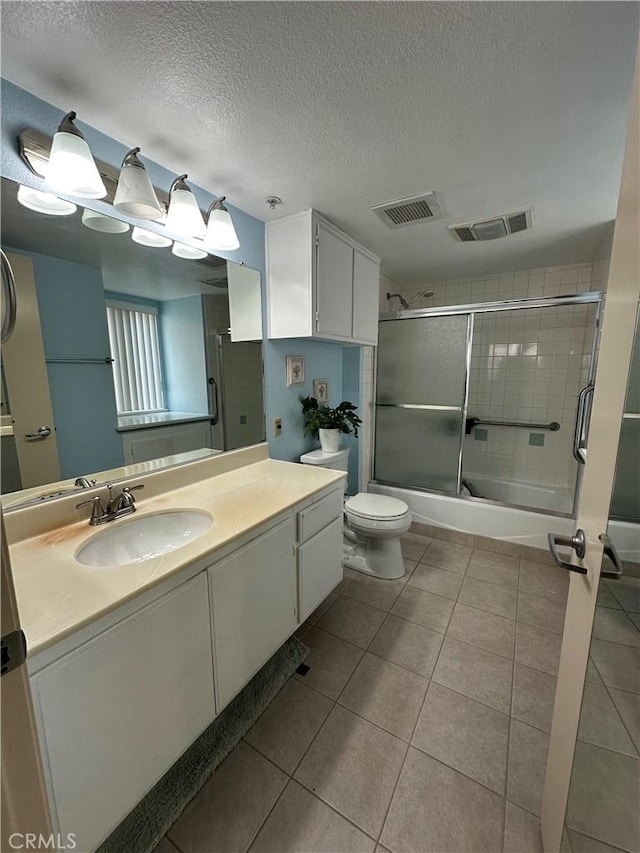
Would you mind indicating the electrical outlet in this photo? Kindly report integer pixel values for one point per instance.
(277, 427)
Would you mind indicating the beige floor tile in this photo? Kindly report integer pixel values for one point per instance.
(583, 844)
(605, 599)
(353, 765)
(475, 672)
(537, 648)
(494, 568)
(627, 592)
(600, 723)
(289, 724)
(436, 809)
(385, 694)
(301, 822)
(521, 831)
(376, 592)
(322, 608)
(413, 546)
(547, 581)
(330, 663)
(166, 846)
(448, 556)
(230, 809)
(349, 576)
(615, 626)
(489, 596)
(431, 611)
(592, 673)
(480, 628)
(527, 764)
(619, 666)
(533, 695)
(437, 581)
(498, 546)
(407, 644)
(601, 803)
(352, 621)
(541, 612)
(536, 555)
(628, 705)
(465, 735)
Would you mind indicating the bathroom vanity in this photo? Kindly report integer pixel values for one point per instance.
(130, 663)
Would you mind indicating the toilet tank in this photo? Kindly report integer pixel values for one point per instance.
(339, 460)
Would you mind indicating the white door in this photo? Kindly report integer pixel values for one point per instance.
(621, 305)
(334, 284)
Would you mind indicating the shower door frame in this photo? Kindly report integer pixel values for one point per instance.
(471, 309)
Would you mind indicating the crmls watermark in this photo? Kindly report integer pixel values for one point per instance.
(35, 841)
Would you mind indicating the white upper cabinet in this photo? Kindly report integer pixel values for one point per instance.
(320, 282)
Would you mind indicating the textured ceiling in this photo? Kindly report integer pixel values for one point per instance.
(342, 105)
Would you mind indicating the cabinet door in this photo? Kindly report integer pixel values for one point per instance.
(334, 284)
(253, 607)
(319, 567)
(117, 712)
(366, 286)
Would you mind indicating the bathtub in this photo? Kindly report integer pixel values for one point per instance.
(502, 522)
(554, 498)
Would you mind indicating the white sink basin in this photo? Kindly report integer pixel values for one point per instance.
(143, 538)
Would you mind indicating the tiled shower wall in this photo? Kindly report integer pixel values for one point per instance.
(525, 366)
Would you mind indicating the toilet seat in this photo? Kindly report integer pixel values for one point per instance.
(375, 507)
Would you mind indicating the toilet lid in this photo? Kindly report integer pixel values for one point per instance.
(376, 506)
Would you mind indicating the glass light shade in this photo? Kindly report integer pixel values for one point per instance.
(184, 217)
(149, 238)
(188, 252)
(101, 222)
(221, 235)
(71, 167)
(44, 202)
(135, 195)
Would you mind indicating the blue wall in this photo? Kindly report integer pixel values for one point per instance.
(184, 358)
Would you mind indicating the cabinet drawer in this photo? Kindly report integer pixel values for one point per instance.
(318, 515)
(319, 568)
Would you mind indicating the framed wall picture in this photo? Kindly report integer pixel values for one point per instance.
(295, 370)
(321, 390)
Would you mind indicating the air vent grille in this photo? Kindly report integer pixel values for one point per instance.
(407, 211)
(494, 227)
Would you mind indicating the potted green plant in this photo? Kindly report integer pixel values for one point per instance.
(329, 424)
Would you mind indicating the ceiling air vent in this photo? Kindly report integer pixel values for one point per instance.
(407, 211)
(492, 229)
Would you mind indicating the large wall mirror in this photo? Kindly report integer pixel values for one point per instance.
(122, 353)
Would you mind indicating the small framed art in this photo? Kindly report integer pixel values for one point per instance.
(295, 370)
(321, 390)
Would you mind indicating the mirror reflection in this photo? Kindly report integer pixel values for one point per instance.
(122, 353)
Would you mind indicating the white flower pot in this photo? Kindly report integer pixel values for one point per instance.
(329, 440)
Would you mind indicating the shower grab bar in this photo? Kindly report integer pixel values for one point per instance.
(582, 421)
(470, 423)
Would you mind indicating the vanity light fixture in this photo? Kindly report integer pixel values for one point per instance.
(101, 222)
(184, 217)
(71, 167)
(44, 202)
(135, 195)
(191, 253)
(220, 235)
(149, 238)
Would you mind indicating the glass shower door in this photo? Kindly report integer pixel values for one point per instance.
(421, 398)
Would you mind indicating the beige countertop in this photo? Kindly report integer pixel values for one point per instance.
(57, 595)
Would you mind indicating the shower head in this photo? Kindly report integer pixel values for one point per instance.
(399, 296)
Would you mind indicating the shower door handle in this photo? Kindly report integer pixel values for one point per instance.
(582, 419)
(577, 542)
(213, 400)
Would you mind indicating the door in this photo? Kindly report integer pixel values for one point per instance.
(597, 486)
(28, 385)
(366, 282)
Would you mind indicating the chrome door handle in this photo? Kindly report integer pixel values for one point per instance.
(213, 398)
(580, 432)
(11, 307)
(577, 542)
(612, 554)
(42, 432)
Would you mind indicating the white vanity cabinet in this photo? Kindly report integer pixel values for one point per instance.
(115, 713)
(319, 553)
(320, 283)
(253, 607)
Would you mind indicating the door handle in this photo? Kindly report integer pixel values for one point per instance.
(42, 432)
(213, 398)
(9, 294)
(612, 554)
(577, 542)
(580, 432)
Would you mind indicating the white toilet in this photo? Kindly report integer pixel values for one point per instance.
(373, 524)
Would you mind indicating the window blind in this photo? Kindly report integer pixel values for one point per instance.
(135, 349)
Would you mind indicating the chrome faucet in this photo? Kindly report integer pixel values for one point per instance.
(84, 483)
(118, 506)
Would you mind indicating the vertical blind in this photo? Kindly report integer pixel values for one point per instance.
(135, 349)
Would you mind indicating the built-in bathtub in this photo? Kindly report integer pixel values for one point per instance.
(521, 526)
(553, 498)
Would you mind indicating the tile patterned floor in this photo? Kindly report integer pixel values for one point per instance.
(422, 724)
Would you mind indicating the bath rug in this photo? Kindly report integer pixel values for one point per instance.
(145, 825)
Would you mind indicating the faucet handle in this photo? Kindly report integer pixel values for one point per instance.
(97, 511)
